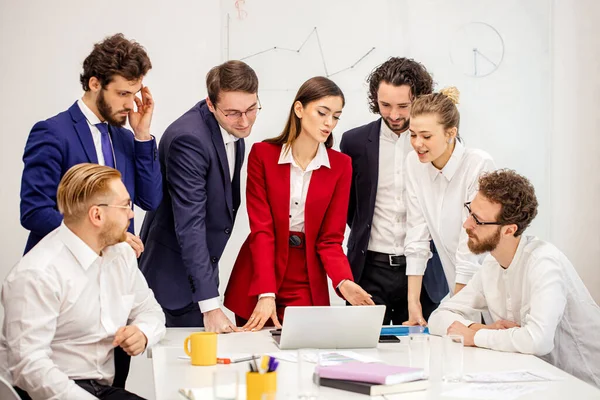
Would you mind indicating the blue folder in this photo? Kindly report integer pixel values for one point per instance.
(403, 330)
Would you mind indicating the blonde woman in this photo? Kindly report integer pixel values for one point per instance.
(442, 176)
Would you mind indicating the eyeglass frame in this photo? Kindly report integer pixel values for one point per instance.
(241, 113)
(478, 222)
(127, 207)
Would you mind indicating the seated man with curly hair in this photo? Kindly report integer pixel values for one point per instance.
(537, 301)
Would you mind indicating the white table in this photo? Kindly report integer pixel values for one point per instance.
(172, 373)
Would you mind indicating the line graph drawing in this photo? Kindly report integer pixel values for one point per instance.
(313, 33)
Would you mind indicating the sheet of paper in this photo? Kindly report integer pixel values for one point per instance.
(327, 358)
(493, 391)
(207, 393)
(510, 376)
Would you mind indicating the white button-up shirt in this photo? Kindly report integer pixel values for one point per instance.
(435, 203)
(63, 304)
(540, 291)
(92, 120)
(300, 181)
(229, 141)
(389, 217)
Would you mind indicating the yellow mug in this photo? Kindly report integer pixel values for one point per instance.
(204, 348)
(258, 384)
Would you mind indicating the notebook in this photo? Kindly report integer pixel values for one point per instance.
(372, 389)
(379, 373)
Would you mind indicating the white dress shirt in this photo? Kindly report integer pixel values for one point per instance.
(63, 304)
(92, 120)
(540, 291)
(300, 181)
(389, 217)
(435, 203)
(229, 140)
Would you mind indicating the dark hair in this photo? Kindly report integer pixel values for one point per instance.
(231, 76)
(115, 55)
(514, 193)
(399, 71)
(442, 105)
(312, 90)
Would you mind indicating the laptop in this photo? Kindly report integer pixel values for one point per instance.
(336, 327)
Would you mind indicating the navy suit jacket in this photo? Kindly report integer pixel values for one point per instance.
(362, 145)
(58, 143)
(185, 237)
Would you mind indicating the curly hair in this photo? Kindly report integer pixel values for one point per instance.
(115, 55)
(442, 104)
(399, 71)
(514, 193)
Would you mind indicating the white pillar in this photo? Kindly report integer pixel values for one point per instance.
(574, 164)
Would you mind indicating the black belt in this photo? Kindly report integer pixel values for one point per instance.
(390, 259)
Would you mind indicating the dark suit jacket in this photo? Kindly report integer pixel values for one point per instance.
(362, 145)
(261, 264)
(58, 143)
(185, 237)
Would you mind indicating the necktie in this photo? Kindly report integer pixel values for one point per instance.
(106, 145)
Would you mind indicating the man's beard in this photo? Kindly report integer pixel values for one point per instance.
(110, 236)
(403, 128)
(107, 113)
(486, 245)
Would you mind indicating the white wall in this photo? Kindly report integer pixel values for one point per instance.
(510, 113)
(574, 168)
(43, 45)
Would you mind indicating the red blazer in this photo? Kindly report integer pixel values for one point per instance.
(261, 263)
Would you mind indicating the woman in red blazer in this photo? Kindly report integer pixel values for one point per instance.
(297, 199)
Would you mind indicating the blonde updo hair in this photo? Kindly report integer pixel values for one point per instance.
(442, 104)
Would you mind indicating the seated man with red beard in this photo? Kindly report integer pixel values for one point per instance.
(537, 301)
(78, 295)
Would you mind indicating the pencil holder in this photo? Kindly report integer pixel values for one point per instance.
(258, 384)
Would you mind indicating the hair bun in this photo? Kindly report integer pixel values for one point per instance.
(452, 93)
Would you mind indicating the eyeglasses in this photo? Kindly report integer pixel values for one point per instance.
(127, 207)
(478, 222)
(236, 115)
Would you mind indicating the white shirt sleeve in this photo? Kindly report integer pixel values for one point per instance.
(32, 305)
(469, 301)
(146, 313)
(209, 304)
(417, 242)
(467, 263)
(537, 331)
(260, 296)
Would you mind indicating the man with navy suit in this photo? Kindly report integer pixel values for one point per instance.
(201, 155)
(376, 213)
(91, 131)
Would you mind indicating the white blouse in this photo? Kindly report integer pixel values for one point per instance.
(435, 210)
(300, 181)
